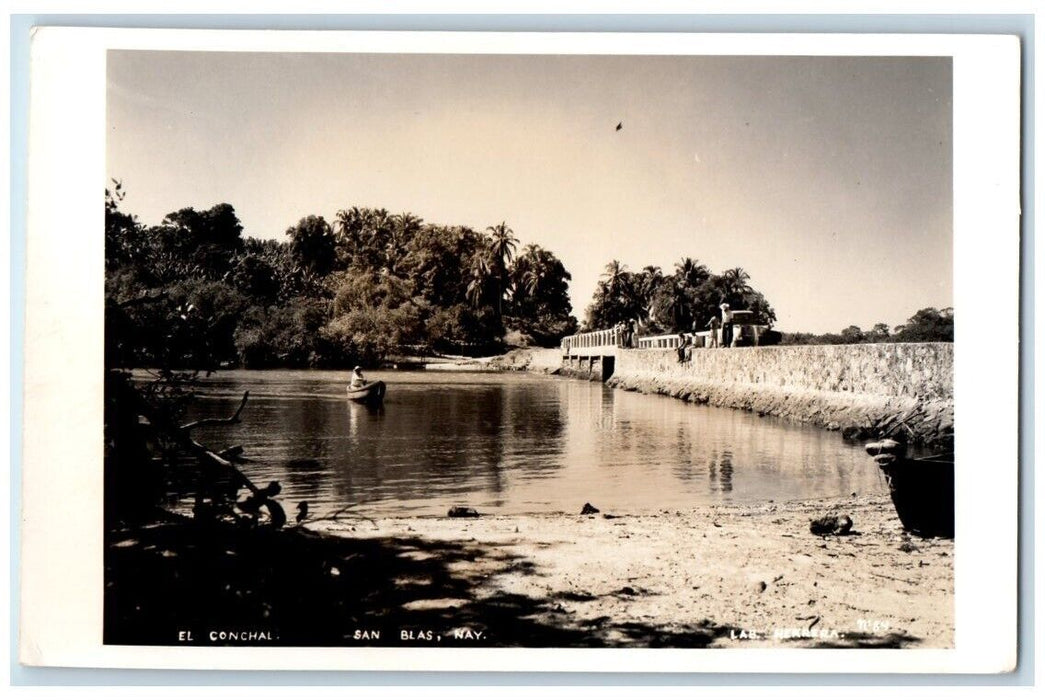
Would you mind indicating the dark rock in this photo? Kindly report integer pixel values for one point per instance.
(589, 509)
(462, 512)
(760, 587)
(831, 525)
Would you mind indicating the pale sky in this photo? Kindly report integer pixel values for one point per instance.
(827, 178)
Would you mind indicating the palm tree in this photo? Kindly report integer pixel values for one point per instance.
(616, 278)
(480, 278)
(501, 247)
(737, 282)
(691, 273)
(650, 279)
(401, 231)
(529, 269)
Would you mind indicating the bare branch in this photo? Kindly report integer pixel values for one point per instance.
(234, 418)
(207, 455)
(341, 511)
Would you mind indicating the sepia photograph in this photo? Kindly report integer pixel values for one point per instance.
(536, 349)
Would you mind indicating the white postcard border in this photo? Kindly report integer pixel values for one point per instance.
(61, 497)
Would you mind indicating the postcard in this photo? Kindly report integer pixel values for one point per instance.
(521, 351)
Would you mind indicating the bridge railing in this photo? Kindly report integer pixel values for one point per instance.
(700, 340)
(613, 337)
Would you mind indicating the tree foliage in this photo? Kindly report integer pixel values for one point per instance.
(928, 325)
(682, 301)
(370, 286)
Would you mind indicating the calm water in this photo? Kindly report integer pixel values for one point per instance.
(512, 443)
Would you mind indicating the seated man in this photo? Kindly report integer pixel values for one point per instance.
(357, 378)
(685, 349)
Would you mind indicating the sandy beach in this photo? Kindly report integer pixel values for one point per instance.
(720, 576)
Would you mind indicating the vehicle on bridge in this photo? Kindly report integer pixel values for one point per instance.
(748, 331)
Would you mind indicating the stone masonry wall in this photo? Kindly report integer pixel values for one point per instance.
(901, 389)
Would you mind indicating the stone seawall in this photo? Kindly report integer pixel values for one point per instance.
(900, 389)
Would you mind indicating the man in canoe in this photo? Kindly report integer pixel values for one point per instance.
(357, 378)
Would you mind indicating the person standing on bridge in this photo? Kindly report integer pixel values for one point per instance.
(715, 324)
(727, 325)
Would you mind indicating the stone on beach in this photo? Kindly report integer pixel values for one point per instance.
(831, 525)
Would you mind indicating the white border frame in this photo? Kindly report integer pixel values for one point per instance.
(62, 498)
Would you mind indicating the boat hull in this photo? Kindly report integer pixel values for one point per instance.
(922, 490)
(373, 393)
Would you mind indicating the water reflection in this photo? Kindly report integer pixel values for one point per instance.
(518, 443)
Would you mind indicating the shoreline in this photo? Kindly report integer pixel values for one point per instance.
(728, 575)
(720, 576)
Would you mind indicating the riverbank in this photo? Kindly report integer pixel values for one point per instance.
(863, 391)
(718, 576)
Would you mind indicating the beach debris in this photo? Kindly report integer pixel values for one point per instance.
(620, 125)
(462, 512)
(262, 498)
(589, 509)
(831, 525)
(610, 517)
(907, 548)
(627, 590)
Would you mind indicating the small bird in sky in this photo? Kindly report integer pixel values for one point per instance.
(620, 125)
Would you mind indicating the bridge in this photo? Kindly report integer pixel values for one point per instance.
(594, 354)
(608, 342)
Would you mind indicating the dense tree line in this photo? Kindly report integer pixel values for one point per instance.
(928, 325)
(194, 291)
(681, 301)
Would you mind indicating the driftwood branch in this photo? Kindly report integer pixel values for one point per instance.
(181, 434)
(234, 418)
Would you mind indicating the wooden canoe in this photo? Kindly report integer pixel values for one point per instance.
(372, 392)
